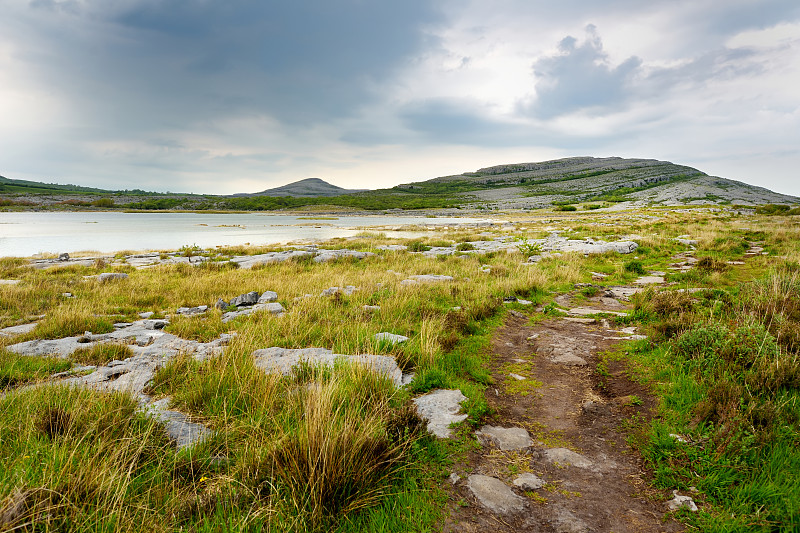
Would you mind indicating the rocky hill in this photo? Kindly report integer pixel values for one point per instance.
(307, 188)
(589, 179)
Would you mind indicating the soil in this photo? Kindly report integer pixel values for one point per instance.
(574, 407)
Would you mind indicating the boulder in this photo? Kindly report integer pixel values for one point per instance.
(681, 502)
(177, 425)
(440, 409)
(63, 257)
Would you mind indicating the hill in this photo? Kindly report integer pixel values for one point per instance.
(593, 179)
(306, 188)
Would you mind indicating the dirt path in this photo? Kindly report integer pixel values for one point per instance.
(591, 479)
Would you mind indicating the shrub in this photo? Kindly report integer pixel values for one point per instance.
(635, 267)
(417, 246)
(464, 246)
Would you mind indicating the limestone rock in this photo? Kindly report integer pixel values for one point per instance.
(439, 409)
(389, 338)
(495, 495)
(267, 296)
(565, 456)
(111, 276)
(251, 298)
(528, 481)
(177, 425)
(12, 331)
(507, 439)
(566, 522)
(283, 360)
(681, 502)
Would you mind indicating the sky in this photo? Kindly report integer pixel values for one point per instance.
(218, 97)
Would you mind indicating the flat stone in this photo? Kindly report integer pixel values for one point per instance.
(274, 308)
(439, 409)
(111, 276)
(146, 314)
(566, 522)
(430, 278)
(177, 425)
(347, 291)
(565, 456)
(649, 280)
(12, 331)
(283, 360)
(390, 338)
(580, 320)
(585, 311)
(528, 481)
(568, 359)
(372, 308)
(622, 293)
(495, 495)
(10, 281)
(507, 439)
(517, 377)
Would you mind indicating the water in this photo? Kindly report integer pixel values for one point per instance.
(30, 233)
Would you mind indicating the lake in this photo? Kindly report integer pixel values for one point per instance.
(29, 233)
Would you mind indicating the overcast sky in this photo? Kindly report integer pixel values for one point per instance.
(241, 95)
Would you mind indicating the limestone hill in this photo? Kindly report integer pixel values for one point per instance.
(307, 188)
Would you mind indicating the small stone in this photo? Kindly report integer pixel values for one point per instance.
(517, 314)
(250, 298)
(221, 304)
(389, 338)
(565, 456)
(146, 314)
(267, 296)
(111, 276)
(67, 295)
(372, 308)
(681, 502)
(454, 478)
(495, 495)
(518, 377)
(507, 439)
(528, 481)
(63, 257)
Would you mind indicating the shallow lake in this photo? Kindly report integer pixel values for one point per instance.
(31, 233)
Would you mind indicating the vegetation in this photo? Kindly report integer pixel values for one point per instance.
(341, 449)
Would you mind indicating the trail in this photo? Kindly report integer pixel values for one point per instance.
(586, 478)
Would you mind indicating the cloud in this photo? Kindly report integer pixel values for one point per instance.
(580, 77)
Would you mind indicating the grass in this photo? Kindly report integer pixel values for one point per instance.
(339, 449)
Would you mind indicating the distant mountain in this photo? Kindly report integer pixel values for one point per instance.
(589, 179)
(307, 188)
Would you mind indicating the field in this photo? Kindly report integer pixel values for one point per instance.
(342, 449)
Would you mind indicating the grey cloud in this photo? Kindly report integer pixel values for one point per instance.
(580, 77)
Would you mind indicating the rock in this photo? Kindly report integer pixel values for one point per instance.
(111, 276)
(520, 301)
(426, 278)
(191, 311)
(566, 522)
(251, 298)
(146, 314)
(681, 502)
(120, 325)
(506, 439)
(12, 331)
(517, 377)
(686, 241)
(221, 304)
(622, 293)
(389, 338)
(580, 320)
(267, 296)
(155, 323)
(439, 409)
(649, 280)
(177, 425)
(347, 291)
(495, 495)
(565, 456)
(585, 311)
(454, 478)
(283, 360)
(10, 281)
(274, 308)
(67, 295)
(63, 257)
(372, 308)
(516, 314)
(528, 481)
